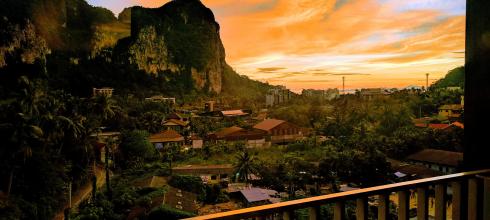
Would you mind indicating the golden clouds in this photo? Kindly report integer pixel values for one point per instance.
(280, 41)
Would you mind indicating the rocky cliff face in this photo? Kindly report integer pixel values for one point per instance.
(181, 37)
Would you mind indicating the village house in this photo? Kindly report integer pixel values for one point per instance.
(404, 171)
(252, 137)
(280, 131)
(252, 196)
(210, 174)
(166, 138)
(105, 91)
(162, 99)
(450, 111)
(234, 114)
(176, 125)
(435, 126)
(178, 116)
(196, 142)
(439, 160)
(438, 126)
(102, 139)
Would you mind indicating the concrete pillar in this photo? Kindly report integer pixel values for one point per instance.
(477, 84)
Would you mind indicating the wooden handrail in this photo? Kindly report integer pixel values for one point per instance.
(321, 200)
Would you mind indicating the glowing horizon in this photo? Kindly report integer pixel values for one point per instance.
(306, 44)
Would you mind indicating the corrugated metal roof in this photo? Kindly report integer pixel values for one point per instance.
(254, 195)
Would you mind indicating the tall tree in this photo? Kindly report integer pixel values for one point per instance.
(245, 165)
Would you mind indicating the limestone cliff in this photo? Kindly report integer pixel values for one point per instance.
(181, 37)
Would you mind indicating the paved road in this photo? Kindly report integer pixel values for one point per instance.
(84, 192)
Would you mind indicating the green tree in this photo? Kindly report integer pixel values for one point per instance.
(135, 148)
(245, 165)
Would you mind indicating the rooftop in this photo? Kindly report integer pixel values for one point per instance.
(233, 113)
(204, 169)
(166, 136)
(451, 107)
(227, 131)
(255, 195)
(440, 157)
(172, 121)
(268, 124)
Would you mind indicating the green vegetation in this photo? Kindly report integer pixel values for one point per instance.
(135, 148)
(454, 77)
(164, 212)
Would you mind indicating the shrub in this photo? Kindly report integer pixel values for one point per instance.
(164, 212)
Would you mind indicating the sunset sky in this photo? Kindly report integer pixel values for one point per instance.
(313, 43)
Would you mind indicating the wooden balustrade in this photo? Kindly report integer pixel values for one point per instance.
(470, 199)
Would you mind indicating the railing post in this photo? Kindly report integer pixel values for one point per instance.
(383, 206)
(314, 213)
(473, 199)
(440, 213)
(362, 209)
(403, 205)
(422, 204)
(339, 211)
(260, 217)
(288, 215)
(459, 203)
(486, 198)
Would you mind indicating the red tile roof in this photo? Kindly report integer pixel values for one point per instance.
(268, 124)
(451, 107)
(440, 157)
(440, 126)
(458, 124)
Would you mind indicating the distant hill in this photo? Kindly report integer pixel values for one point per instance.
(455, 77)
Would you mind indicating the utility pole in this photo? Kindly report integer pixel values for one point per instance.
(343, 85)
(426, 82)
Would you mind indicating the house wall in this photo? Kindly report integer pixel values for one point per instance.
(197, 143)
(256, 143)
(285, 132)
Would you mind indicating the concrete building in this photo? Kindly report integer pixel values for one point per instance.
(328, 94)
(278, 95)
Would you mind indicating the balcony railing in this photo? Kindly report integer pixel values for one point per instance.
(470, 195)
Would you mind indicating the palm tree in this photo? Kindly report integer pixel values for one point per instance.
(23, 135)
(104, 107)
(245, 165)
